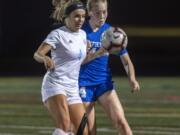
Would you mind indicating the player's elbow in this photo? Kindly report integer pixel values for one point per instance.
(37, 57)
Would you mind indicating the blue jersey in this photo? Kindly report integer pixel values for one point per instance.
(97, 71)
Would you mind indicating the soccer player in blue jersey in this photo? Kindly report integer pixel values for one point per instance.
(95, 78)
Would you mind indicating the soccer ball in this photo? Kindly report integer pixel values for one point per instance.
(114, 39)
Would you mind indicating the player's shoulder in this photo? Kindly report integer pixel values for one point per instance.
(57, 30)
(107, 25)
(61, 31)
(82, 31)
(104, 27)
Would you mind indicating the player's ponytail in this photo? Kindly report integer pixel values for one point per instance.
(58, 12)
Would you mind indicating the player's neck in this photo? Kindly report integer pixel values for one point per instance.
(94, 27)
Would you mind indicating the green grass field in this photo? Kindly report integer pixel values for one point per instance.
(153, 111)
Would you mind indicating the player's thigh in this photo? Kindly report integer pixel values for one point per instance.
(58, 108)
(111, 104)
(89, 106)
(90, 109)
(76, 113)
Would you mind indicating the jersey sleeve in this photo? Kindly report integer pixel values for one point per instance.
(122, 52)
(53, 39)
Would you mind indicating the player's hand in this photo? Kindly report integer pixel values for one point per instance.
(135, 86)
(48, 63)
(93, 55)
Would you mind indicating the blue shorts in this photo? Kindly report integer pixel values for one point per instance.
(92, 93)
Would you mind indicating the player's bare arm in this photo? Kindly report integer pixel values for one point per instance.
(41, 57)
(91, 56)
(129, 68)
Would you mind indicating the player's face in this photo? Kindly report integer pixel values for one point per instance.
(76, 19)
(98, 13)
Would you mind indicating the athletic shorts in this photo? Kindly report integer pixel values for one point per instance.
(92, 93)
(52, 87)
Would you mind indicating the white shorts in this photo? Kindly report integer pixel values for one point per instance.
(52, 87)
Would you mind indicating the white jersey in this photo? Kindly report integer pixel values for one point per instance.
(68, 52)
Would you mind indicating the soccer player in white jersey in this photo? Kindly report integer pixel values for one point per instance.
(95, 78)
(60, 91)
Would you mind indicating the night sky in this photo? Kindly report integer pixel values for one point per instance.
(24, 24)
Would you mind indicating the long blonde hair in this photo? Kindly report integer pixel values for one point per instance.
(90, 3)
(60, 7)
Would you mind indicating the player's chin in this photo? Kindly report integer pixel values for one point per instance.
(100, 23)
(78, 26)
(76, 29)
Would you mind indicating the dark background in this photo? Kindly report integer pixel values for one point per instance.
(24, 24)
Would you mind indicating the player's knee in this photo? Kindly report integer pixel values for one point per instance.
(120, 122)
(122, 125)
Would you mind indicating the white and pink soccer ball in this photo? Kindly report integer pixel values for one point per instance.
(114, 39)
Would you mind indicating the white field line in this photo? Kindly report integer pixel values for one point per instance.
(150, 101)
(25, 127)
(6, 134)
(158, 128)
(160, 115)
(139, 130)
(106, 130)
(175, 115)
(14, 134)
(156, 132)
(138, 114)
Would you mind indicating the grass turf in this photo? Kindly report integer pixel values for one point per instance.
(153, 111)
